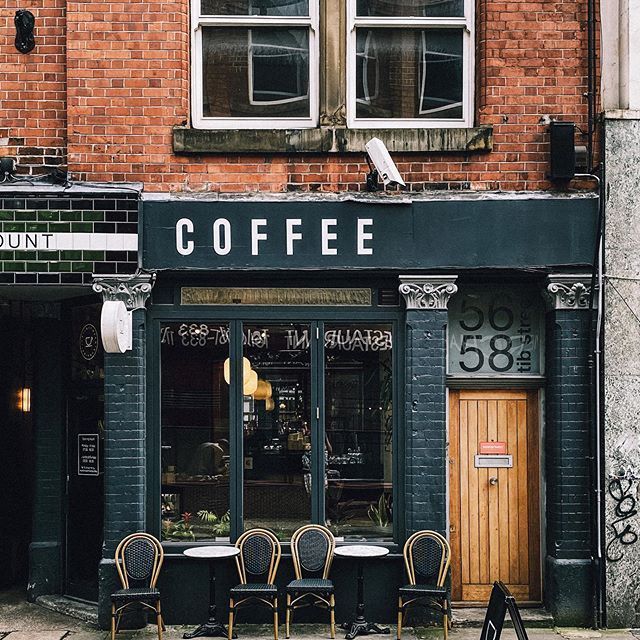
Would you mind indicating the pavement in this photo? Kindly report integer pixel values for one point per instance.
(22, 620)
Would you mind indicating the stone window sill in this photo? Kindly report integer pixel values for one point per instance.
(188, 141)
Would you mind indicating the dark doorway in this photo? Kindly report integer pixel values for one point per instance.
(16, 446)
(85, 440)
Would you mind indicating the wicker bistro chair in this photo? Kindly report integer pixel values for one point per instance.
(427, 555)
(312, 550)
(257, 565)
(139, 558)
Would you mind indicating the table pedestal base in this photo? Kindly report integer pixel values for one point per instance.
(211, 629)
(362, 628)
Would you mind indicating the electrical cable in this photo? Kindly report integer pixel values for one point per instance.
(635, 315)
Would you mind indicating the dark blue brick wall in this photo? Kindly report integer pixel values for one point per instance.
(567, 447)
(567, 431)
(125, 440)
(426, 426)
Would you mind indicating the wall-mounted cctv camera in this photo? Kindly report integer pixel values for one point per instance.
(385, 167)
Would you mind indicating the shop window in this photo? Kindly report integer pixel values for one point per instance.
(272, 64)
(301, 459)
(277, 425)
(195, 431)
(359, 430)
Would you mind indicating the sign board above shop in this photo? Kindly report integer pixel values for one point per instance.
(424, 234)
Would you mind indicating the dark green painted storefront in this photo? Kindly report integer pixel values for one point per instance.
(484, 242)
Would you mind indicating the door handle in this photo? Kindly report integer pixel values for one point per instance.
(493, 480)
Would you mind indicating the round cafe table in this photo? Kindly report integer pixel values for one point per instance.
(360, 552)
(211, 628)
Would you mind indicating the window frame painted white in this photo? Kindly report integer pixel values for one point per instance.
(198, 22)
(465, 23)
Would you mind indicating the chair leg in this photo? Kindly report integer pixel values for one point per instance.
(399, 630)
(446, 626)
(332, 615)
(275, 619)
(113, 621)
(159, 620)
(287, 617)
(231, 612)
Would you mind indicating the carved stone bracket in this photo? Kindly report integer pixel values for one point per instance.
(570, 291)
(427, 292)
(134, 290)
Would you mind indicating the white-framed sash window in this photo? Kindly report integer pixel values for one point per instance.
(254, 63)
(420, 53)
(257, 64)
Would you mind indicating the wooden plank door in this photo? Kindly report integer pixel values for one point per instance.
(494, 512)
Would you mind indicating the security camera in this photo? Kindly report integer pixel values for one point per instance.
(384, 166)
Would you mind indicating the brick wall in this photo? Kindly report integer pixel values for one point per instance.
(568, 575)
(57, 213)
(33, 89)
(425, 421)
(128, 86)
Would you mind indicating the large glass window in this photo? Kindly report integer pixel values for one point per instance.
(359, 430)
(277, 427)
(195, 431)
(316, 432)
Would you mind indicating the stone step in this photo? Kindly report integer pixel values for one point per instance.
(88, 612)
(533, 617)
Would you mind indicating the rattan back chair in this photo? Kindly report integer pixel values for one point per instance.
(427, 556)
(312, 551)
(138, 559)
(257, 565)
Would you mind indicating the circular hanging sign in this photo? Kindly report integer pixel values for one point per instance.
(116, 328)
(88, 342)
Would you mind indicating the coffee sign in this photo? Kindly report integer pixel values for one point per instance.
(495, 332)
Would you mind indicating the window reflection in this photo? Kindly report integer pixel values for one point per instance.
(277, 428)
(255, 72)
(195, 431)
(255, 7)
(359, 430)
(409, 73)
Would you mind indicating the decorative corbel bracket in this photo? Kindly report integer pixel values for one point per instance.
(568, 291)
(133, 291)
(427, 292)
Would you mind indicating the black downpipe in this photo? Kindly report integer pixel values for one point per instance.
(595, 360)
(591, 81)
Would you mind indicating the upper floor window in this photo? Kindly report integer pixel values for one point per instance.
(272, 64)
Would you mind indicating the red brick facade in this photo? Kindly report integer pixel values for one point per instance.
(107, 82)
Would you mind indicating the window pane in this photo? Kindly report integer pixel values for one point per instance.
(255, 7)
(409, 73)
(255, 72)
(359, 430)
(195, 431)
(277, 428)
(410, 8)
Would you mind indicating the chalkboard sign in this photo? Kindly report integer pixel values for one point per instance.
(88, 454)
(500, 601)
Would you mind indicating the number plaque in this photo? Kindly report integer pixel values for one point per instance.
(495, 332)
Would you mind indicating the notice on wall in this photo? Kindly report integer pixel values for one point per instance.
(496, 331)
(88, 454)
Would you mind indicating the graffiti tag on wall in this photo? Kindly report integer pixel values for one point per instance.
(625, 509)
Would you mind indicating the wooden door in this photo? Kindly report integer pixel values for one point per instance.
(495, 512)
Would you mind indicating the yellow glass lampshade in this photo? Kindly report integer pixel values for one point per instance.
(263, 391)
(246, 370)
